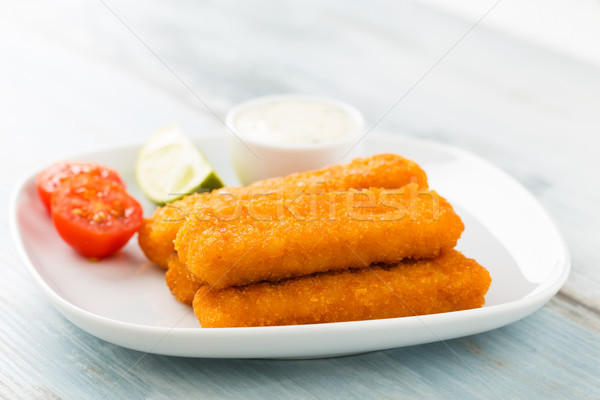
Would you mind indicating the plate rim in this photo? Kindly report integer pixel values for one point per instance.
(557, 276)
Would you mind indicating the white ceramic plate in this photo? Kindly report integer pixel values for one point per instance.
(125, 300)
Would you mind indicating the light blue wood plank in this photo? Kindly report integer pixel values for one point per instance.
(540, 357)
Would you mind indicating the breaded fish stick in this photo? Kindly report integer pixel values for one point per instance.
(450, 282)
(181, 282)
(157, 233)
(264, 239)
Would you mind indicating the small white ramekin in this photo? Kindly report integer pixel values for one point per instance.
(255, 159)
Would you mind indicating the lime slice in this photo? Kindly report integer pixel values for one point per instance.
(169, 166)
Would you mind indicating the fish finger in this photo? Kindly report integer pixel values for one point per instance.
(157, 233)
(181, 282)
(450, 282)
(265, 239)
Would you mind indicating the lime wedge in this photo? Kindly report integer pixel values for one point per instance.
(169, 166)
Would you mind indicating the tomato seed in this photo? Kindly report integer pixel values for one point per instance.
(99, 217)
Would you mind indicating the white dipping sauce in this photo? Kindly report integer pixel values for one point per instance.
(294, 121)
(283, 134)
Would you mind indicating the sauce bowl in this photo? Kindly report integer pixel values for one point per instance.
(281, 134)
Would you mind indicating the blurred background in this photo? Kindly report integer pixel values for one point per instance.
(102, 68)
(569, 27)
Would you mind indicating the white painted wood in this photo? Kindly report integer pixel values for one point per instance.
(72, 78)
(570, 27)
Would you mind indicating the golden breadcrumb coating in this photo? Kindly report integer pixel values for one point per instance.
(181, 282)
(157, 233)
(265, 239)
(450, 282)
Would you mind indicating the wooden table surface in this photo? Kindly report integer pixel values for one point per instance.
(79, 75)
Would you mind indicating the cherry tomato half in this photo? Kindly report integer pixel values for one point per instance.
(94, 216)
(50, 178)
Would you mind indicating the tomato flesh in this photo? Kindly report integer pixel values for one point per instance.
(50, 178)
(94, 216)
